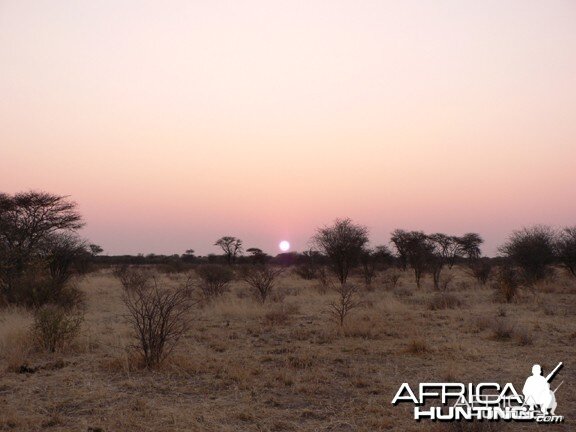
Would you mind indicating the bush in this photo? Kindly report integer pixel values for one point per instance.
(159, 317)
(347, 300)
(132, 279)
(215, 279)
(532, 250)
(55, 326)
(507, 284)
(261, 278)
(444, 301)
(481, 269)
(566, 248)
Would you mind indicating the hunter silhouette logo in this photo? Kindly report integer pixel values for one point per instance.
(537, 390)
(485, 401)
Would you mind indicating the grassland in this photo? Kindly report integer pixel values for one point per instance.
(285, 365)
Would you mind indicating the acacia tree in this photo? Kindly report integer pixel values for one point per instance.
(342, 243)
(231, 246)
(533, 250)
(414, 249)
(30, 223)
(566, 248)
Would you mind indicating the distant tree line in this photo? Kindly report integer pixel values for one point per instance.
(40, 252)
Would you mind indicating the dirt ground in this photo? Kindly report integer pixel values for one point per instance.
(285, 365)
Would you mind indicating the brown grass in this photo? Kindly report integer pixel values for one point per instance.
(284, 365)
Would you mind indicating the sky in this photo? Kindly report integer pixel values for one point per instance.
(174, 123)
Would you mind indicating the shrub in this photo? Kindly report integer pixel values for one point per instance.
(159, 318)
(417, 346)
(346, 301)
(55, 326)
(215, 279)
(261, 278)
(444, 301)
(391, 278)
(507, 284)
(481, 269)
(131, 278)
(566, 248)
(503, 329)
(532, 250)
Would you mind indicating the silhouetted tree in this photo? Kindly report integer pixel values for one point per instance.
(566, 248)
(414, 249)
(257, 256)
(95, 249)
(342, 243)
(532, 249)
(231, 246)
(29, 223)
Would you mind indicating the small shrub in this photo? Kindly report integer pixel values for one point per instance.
(54, 326)
(346, 301)
(281, 314)
(261, 278)
(391, 278)
(503, 329)
(444, 300)
(159, 318)
(481, 269)
(132, 279)
(507, 284)
(215, 279)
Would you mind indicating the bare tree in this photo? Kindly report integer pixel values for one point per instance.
(566, 248)
(368, 259)
(231, 246)
(261, 278)
(159, 317)
(342, 243)
(346, 301)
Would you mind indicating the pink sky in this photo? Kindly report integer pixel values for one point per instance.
(173, 123)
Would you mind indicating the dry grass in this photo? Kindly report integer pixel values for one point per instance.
(284, 365)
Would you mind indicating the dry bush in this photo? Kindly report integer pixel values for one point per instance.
(503, 329)
(16, 343)
(391, 278)
(159, 317)
(281, 314)
(347, 300)
(55, 327)
(524, 336)
(132, 278)
(403, 292)
(507, 284)
(261, 279)
(444, 300)
(215, 279)
(481, 269)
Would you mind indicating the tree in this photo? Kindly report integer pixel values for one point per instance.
(231, 246)
(444, 250)
(95, 249)
(414, 249)
(257, 256)
(30, 222)
(533, 250)
(342, 243)
(566, 248)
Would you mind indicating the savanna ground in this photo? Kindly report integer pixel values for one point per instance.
(285, 365)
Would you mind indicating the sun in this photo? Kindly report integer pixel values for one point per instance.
(284, 245)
